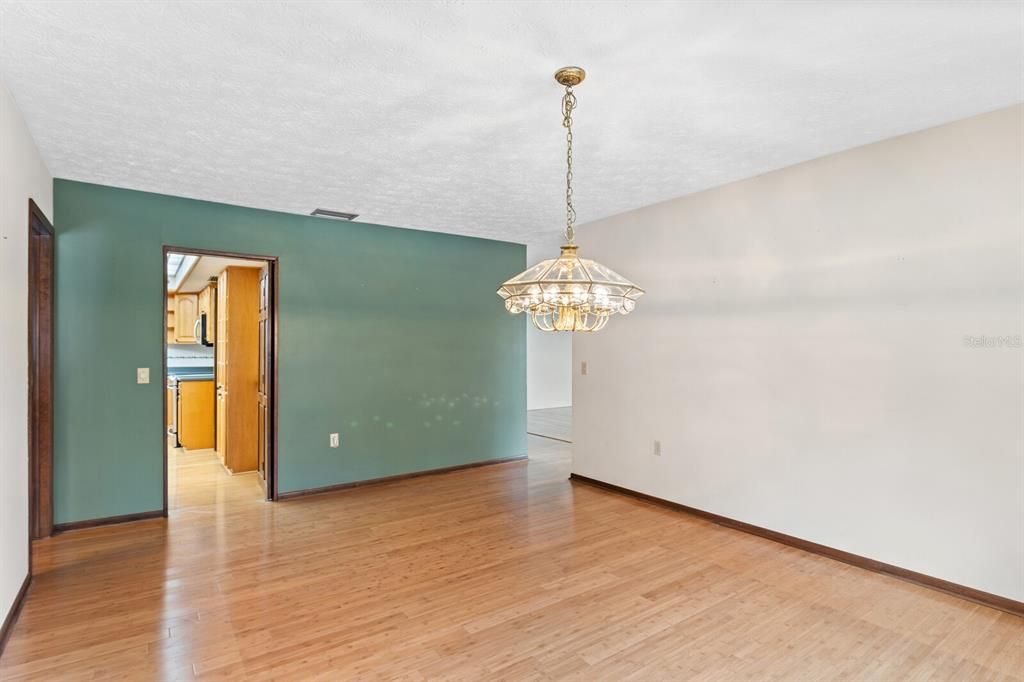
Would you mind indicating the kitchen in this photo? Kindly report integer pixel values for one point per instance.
(218, 377)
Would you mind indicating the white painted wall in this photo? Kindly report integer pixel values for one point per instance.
(801, 352)
(22, 175)
(548, 356)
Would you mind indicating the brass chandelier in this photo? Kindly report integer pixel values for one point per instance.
(569, 293)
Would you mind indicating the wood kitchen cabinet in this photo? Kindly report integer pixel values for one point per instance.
(170, 319)
(186, 312)
(170, 409)
(237, 367)
(195, 414)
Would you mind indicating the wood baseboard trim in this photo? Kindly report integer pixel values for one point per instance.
(969, 593)
(541, 435)
(12, 615)
(108, 520)
(398, 477)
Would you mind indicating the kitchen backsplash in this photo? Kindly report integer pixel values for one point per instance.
(189, 355)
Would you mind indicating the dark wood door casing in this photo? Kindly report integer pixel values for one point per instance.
(40, 372)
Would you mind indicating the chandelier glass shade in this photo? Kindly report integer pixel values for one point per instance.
(569, 293)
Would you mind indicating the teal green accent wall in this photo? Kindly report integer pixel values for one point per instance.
(394, 338)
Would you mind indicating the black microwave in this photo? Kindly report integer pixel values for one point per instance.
(202, 330)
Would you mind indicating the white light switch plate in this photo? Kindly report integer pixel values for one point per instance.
(335, 440)
(142, 375)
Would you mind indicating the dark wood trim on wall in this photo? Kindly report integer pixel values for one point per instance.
(163, 373)
(984, 598)
(109, 521)
(275, 278)
(12, 615)
(40, 397)
(398, 477)
(40, 374)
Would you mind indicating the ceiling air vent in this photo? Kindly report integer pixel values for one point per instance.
(336, 215)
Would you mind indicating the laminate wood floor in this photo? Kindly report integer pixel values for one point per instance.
(503, 572)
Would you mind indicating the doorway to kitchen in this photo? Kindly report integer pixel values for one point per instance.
(220, 369)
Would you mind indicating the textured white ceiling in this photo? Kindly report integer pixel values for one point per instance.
(444, 116)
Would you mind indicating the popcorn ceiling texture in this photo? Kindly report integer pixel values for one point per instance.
(445, 116)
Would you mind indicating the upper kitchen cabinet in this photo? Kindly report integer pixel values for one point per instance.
(186, 315)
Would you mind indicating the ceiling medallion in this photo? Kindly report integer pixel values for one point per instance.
(569, 293)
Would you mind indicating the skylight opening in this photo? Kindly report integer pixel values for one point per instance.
(178, 267)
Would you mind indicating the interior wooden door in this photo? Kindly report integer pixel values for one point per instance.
(220, 373)
(262, 397)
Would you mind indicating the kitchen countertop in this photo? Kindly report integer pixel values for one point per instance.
(190, 373)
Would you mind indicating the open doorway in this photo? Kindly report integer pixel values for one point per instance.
(220, 366)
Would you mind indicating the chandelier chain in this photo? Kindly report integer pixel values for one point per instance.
(569, 293)
(568, 104)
